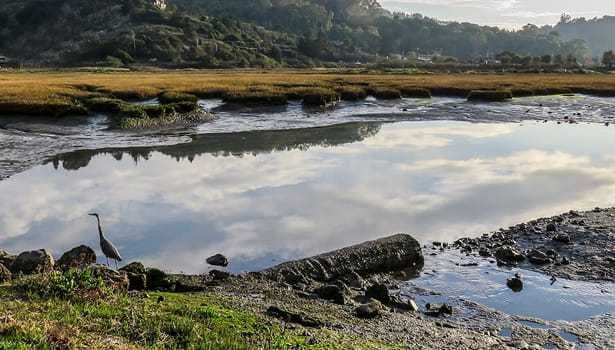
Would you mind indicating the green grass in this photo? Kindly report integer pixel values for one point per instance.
(61, 311)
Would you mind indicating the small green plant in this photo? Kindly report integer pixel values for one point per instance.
(72, 283)
(74, 279)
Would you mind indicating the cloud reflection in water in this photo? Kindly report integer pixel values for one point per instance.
(289, 194)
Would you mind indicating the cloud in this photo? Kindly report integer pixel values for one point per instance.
(480, 4)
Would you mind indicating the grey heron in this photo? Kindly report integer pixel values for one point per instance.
(106, 246)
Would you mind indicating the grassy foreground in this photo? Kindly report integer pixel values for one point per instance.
(61, 93)
(75, 310)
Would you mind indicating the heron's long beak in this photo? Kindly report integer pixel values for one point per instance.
(93, 214)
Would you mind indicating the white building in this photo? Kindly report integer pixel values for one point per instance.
(162, 4)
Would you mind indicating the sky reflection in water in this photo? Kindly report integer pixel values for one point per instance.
(264, 197)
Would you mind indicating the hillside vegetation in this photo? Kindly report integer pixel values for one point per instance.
(263, 33)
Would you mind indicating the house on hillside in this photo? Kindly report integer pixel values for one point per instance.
(162, 4)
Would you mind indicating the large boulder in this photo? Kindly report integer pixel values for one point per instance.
(389, 254)
(156, 279)
(76, 258)
(137, 279)
(32, 261)
(5, 274)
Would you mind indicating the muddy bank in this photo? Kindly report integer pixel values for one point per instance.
(574, 245)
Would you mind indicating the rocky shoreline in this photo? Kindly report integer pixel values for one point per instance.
(350, 291)
(574, 245)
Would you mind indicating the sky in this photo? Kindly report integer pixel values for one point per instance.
(510, 14)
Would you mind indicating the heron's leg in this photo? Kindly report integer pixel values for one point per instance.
(107, 261)
(115, 263)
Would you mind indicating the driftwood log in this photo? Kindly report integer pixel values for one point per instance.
(389, 254)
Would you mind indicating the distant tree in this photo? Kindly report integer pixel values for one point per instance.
(546, 59)
(113, 61)
(571, 60)
(276, 53)
(608, 59)
(124, 56)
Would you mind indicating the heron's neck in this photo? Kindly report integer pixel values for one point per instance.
(100, 231)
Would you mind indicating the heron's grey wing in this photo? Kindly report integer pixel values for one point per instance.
(110, 250)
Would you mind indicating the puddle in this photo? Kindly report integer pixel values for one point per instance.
(570, 337)
(483, 282)
(505, 332)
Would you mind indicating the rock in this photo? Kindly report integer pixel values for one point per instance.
(562, 237)
(409, 305)
(293, 316)
(551, 227)
(506, 263)
(509, 253)
(6, 259)
(5, 274)
(137, 279)
(413, 305)
(32, 261)
(331, 292)
(219, 275)
(156, 279)
(565, 261)
(369, 310)
(538, 257)
(435, 310)
(484, 252)
(77, 257)
(354, 280)
(551, 253)
(134, 267)
(217, 260)
(379, 292)
(446, 309)
(515, 283)
(117, 280)
(389, 254)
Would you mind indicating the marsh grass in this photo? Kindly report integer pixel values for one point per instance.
(384, 92)
(58, 94)
(351, 92)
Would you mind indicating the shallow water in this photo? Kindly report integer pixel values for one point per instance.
(26, 141)
(485, 284)
(268, 196)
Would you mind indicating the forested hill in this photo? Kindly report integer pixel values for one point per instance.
(596, 32)
(250, 33)
(117, 32)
